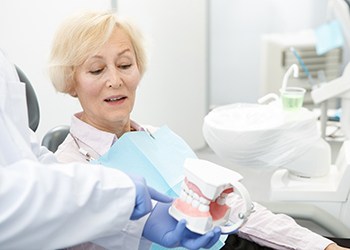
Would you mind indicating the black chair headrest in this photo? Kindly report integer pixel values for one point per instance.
(32, 101)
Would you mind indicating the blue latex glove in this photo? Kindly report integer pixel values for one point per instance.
(144, 194)
(164, 230)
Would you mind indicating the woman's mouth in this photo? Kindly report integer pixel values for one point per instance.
(115, 99)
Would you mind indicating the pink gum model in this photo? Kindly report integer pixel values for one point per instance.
(203, 197)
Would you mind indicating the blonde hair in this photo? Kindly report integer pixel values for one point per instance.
(82, 35)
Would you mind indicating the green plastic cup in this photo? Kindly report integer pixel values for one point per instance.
(292, 98)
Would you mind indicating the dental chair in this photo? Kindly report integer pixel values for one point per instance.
(32, 101)
(53, 138)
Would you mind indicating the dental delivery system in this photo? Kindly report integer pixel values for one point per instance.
(205, 195)
(302, 180)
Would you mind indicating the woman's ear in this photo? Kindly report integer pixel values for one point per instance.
(71, 89)
(73, 93)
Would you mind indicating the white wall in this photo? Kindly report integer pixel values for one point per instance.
(236, 27)
(26, 31)
(174, 89)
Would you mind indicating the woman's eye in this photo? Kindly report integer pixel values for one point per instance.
(125, 66)
(96, 71)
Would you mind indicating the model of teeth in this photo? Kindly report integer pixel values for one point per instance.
(205, 190)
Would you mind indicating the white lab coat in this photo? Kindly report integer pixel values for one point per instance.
(46, 205)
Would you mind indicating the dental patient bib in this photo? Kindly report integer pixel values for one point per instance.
(158, 157)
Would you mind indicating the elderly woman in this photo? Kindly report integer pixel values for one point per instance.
(100, 60)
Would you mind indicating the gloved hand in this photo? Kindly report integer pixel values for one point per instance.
(164, 230)
(144, 194)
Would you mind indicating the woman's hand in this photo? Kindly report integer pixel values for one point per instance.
(334, 246)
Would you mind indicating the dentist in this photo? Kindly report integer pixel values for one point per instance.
(47, 205)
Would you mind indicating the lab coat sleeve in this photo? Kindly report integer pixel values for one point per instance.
(42, 153)
(130, 236)
(277, 231)
(59, 205)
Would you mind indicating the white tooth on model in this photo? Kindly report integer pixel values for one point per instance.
(223, 195)
(195, 203)
(183, 195)
(189, 199)
(204, 201)
(221, 201)
(203, 208)
(196, 196)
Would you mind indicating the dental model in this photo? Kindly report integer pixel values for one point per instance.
(204, 193)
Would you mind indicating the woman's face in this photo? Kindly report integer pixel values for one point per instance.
(106, 84)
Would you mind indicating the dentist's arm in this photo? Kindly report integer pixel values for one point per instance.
(58, 205)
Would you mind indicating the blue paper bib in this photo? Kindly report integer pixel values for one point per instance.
(158, 158)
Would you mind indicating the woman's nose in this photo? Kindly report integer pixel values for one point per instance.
(113, 80)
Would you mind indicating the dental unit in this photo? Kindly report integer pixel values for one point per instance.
(205, 195)
(303, 181)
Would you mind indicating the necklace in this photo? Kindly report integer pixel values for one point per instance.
(84, 152)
